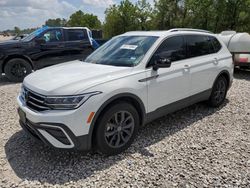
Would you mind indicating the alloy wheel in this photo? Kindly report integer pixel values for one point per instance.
(119, 129)
(18, 70)
(220, 91)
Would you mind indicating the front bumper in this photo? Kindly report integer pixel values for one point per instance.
(64, 129)
(54, 134)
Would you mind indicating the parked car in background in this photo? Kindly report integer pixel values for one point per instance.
(242, 60)
(131, 80)
(44, 47)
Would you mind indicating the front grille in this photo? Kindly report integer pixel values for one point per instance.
(34, 101)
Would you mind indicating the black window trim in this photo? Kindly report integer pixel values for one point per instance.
(183, 35)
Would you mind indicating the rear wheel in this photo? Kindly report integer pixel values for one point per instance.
(244, 67)
(16, 69)
(219, 92)
(116, 128)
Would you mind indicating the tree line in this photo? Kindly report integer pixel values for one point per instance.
(212, 15)
(77, 19)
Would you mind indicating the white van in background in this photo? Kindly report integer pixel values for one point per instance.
(239, 45)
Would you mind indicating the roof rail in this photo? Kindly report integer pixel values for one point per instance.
(189, 29)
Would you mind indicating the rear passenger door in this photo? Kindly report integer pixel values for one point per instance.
(203, 62)
(77, 43)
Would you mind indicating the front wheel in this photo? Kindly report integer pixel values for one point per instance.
(219, 92)
(16, 69)
(116, 128)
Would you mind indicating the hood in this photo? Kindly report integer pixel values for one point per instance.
(72, 78)
(6, 42)
(10, 43)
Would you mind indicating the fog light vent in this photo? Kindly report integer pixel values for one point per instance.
(59, 135)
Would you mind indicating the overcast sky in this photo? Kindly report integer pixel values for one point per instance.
(34, 13)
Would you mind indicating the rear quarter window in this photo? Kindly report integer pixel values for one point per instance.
(76, 35)
(216, 44)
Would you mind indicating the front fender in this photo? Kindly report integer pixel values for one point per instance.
(105, 104)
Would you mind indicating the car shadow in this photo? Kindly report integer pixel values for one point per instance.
(242, 74)
(30, 159)
(4, 81)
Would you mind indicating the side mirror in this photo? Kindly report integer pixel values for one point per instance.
(161, 63)
(40, 41)
(18, 38)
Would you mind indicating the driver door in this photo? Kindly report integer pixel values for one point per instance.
(52, 51)
(168, 85)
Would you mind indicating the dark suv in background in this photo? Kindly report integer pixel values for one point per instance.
(44, 47)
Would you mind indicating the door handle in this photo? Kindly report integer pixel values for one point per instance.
(149, 78)
(60, 45)
(216, 61)
(186, 66)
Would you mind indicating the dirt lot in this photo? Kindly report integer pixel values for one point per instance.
(195, 147)
(2, 38)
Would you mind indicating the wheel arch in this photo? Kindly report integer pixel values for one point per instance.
(226, 75)
(127, 97)
(17, 56)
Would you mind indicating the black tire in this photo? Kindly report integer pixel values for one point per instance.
(219, 92)
(16, 69)
(113, 135)
(244, 67)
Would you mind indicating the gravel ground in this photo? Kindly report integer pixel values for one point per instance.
(2, 38)
(194, 147)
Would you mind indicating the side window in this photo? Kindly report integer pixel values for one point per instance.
(76, 35)
(197, 45)
(211, 46)
(53, 36)
(216, 44)
(172, 48)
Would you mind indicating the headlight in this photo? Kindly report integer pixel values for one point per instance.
(22, 93)
(68, 102)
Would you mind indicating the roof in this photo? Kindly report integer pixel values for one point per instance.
(168, 32)
(69, 27)
(75, 28)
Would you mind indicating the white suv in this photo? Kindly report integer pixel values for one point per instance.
(132, 79)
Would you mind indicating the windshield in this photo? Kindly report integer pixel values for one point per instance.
(122, 51)
(34, 34)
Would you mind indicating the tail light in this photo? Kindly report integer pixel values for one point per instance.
(243, 59)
